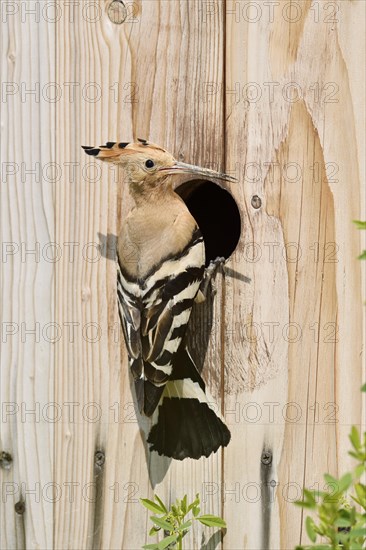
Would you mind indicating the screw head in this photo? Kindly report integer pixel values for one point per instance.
(256, 202)
(266, 457)
(5, 460)
(20, 507)
(117, 12)
(99, 458)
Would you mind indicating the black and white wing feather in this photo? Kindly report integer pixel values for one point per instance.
(154, 313)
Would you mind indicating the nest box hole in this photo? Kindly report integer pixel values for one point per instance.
(216, 214)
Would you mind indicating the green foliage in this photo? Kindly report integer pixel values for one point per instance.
(361, 225)
(174, 522)
(341, 522)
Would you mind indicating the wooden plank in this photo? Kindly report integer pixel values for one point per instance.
(310, 183)
(27, 275)
(156, 62)
(284, 353)
(87, 377)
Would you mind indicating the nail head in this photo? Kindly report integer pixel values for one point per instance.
(99, 458)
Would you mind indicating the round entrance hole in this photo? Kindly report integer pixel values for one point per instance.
(217, 215)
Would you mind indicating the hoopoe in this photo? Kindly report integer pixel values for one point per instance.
(156, 289)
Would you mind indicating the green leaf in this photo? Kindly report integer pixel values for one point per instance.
(359, 224)
(309, 523)
(358, 532)
(333, 495)
(150, 505)
(184, 504)
(363, 388)
(305, 504)
(360, 489)
(362, 256)
(162, 505)
(310, 497)
(153, 531)
(194, 504)
(318, 495)
(212, 521)
(196, 510)
(359, 470)
(355, 438)
(345, 482)
(330, 479)
(185, 525)
(355, 455)
(163, 524)
(356, 500)
(153, 546)
(165, 542)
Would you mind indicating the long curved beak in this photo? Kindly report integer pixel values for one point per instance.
(191, 169)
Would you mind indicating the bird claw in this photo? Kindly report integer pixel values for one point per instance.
(217, 262)
(210, 271)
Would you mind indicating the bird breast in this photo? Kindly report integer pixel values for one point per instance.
(150, 235)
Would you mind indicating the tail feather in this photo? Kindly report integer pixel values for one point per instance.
(184, 425)
(147, 395)
(187, 428)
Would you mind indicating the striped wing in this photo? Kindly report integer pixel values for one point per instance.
(154, 314)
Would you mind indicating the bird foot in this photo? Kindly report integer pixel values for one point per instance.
(210, 272)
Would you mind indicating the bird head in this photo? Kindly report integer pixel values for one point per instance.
(149, 166)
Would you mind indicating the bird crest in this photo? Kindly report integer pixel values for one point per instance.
(148, 162)
(123, 150)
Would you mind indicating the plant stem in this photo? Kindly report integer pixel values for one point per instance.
(180, 540)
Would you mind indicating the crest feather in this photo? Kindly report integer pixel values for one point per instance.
(113, 149)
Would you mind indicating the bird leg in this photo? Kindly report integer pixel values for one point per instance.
(209, 273)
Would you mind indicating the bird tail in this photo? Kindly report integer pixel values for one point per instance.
(184, 425)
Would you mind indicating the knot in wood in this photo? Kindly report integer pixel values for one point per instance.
(117, 12)
(256, 202)
(19, 507)
(5, 460)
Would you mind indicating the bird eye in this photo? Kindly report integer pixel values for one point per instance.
(149, 163)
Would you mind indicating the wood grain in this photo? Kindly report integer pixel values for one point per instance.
(27, 279)
(153, 95)
(299, 140)
(274, 95)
